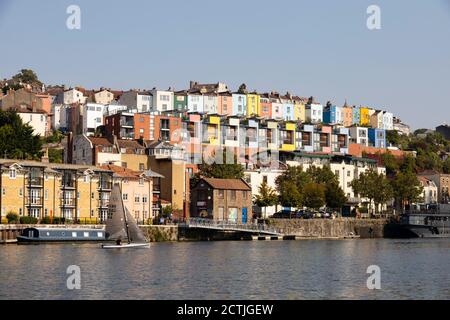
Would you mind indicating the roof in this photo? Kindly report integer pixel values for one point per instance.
(129, 144)
(121, 171)
(153, 174)
(227, 184)
(100, 141)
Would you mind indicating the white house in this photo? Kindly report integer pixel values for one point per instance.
(162, 100)
(92, 117)
(314, 113)
(210, 102)
(388, 121)
(359, 135)
(195, 102)
(140, 101)
(103, 97)
(73, 96)
(430, 190)
(38, 120)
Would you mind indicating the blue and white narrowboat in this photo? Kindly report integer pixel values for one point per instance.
(61, 234)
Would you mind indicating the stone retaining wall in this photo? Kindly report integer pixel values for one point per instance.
(158, 233)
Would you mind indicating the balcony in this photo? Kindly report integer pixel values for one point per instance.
(35, 182)
(68, 203)
(34, 202)
(103, 203)
(68, 185)
(105, 186)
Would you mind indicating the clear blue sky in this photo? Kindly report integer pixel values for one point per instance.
(319, 48)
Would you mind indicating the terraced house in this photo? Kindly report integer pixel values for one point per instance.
(37, 189)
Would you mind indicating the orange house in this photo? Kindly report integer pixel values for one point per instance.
(225, 104)
(265, 106)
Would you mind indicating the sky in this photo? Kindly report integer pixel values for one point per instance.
(309, 48)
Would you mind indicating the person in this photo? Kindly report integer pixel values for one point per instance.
(119, 241)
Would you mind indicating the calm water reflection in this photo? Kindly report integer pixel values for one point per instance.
(230, 270)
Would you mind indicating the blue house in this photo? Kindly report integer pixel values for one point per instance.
(356, 116)
(377, 137)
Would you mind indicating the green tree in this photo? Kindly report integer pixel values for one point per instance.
(289, 195)
(390, 162)
(17, 140)
(27, 76)
(55, 155)
(219, 171)
(314, 195)
(290, 185)
(406, 188)
(266, 196)
(372, 186)
(322, 175)
(446, 166)
(335, 197)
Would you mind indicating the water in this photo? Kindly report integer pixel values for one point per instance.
(410, 269)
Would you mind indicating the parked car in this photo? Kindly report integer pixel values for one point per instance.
(284, 214)
(304, 214)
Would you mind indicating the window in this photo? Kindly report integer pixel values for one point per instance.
(124, 164)
(221, 194)
(20, 192)
(46, 194)
(45, 212)
(144, 199)
(233, 194)
(141, 119)
(125, 196)
(92, 195)
(348, 173)
(336, 172)
(99, 120)
(141, 168)
(244, 195)
(3, 191)
(12, 174)
(137, 198)
(141, 181)
(264, 179)
(78, 195)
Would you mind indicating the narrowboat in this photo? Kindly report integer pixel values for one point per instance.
(37, 235)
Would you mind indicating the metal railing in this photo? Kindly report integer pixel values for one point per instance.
(230, 226)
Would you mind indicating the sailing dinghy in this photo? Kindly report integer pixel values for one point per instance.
(121, 226)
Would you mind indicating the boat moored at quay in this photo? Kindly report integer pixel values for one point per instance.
(427, 225)
(46, 234)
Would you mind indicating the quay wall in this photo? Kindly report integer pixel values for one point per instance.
(159, 233)
(337, 228)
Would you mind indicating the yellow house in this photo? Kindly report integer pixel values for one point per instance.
(253, 104)
(287, 137)
(299, 110)
(213, 130)
(364, 116)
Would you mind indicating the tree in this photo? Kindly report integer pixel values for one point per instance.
(384, 193)
(219, 171)
(446, 166)
(27, 76)
(335, 197)
(372, 186)
(289, 195)
(242, 89)
(314, 195)
(406, 188)
(266, 196)
(55, 155)
(322, 175)
(17, 140)
(390, 162)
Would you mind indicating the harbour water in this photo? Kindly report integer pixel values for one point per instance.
(410, 269)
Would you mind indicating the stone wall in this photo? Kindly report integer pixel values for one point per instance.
(337, 228)
(158, 233)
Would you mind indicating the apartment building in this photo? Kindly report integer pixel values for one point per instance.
(36, 189)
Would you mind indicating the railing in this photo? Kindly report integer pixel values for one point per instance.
(231, 226)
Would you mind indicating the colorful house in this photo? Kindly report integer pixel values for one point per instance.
(364, 115)
(347, 114)
(288, 107)
(287, 136)
(332, 114)
(299, 108)
(253, 104)
(377, 138)
(265, 106)
(356, 116)
(225, 103)
(313, 112)
(239, 104)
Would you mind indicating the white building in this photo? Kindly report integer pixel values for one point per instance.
(103, 97)
(92, 117)
(210, 103)
(56, 119)
(430, 190)
(162, 100)
(92, 151)
(314, 113)
(195, 102)
(359, 135)
(73, 96)
(139, 101)
(38, 120)
(388, 121)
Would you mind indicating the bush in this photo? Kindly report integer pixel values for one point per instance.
(28, 220)
(89, 221)
(4, 220)
(12, 217)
